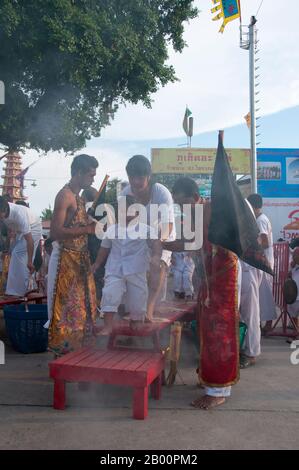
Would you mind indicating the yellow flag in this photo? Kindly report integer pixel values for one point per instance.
(229, 10)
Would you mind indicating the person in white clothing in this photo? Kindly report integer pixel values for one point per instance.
(293, 309)
(183, 269)
(126, 249)
(250, 311)
(28, 230)
(250, 314)
(266, 299)
(152, 195)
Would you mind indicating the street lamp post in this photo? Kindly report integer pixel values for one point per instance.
(252, 80)
(248, 41)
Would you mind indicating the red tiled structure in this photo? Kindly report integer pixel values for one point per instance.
(12, 186)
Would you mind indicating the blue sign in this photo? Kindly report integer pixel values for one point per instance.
(278, 172)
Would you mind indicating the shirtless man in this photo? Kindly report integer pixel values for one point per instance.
(71, 289)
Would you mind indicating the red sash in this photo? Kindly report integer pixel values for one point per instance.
(219, 318)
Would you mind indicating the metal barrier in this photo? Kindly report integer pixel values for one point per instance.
(281, 268)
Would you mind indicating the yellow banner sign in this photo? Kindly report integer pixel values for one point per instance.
(195, 160)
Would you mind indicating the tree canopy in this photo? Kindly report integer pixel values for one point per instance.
(47, 213)
(111, 191)
(68, 64)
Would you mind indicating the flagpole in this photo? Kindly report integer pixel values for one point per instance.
(252, 43)
(187, 145)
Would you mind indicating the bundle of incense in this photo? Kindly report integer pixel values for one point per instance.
(97, 200)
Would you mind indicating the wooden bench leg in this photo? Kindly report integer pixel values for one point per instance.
(111, 340)
(140, 403)
(59, 394)
(156, 342)
(156, 387)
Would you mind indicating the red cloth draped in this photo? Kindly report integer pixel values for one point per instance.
(218, 315)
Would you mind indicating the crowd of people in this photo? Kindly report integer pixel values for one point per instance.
(88, 279)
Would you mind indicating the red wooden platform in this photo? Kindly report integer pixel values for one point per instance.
(188, 309)
(166, 314)
(134, 369)
(11, 300)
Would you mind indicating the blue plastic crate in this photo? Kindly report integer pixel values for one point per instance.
(26, 330)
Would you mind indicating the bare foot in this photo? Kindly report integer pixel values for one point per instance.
(148, 319)
(156, 320)
(266, 328)
(106, 331)
(207, 402)
(246, 361)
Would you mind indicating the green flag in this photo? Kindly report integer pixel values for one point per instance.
(185, 121)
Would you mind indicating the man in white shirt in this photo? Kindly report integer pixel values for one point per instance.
(267, 303)
(250, 310)
(250, 314)
(126, 245)
(28, 229)
(150, 194)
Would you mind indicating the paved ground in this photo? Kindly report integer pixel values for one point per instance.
(263, 412)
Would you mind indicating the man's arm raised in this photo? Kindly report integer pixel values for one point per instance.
(58, 231)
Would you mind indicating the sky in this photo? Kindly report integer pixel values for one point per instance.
(213, 81)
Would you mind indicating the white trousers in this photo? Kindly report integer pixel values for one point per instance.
(218, 391)
(183, 270)
(250, 309)
(18, 273)
(52, 274)
(267, 304)
(135, 286)
(182, 280)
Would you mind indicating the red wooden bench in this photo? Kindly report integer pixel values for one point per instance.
(168, 312)
(131, 368)
(187, 309)
(11, 300)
